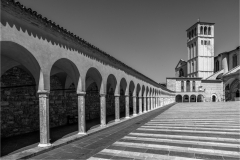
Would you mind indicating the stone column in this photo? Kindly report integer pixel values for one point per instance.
(44, 119)
(117, 111)
(153, 101)
(156, 102)
(127, 105)
(149, 103)
(103, 109)
(140, 104)
(81, 113)
(144, 104)
(134, 106)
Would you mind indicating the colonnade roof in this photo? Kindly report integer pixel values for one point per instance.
(33, 16)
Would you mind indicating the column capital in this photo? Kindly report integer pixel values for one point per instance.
(81, 93)
(134, 96)
(126, 95)
(43, 92)
(117, 95)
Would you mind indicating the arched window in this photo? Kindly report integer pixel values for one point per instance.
(193, 86)
(192, 33)
(205, 30)
(217, 66)
(234, 60)
(192, 51)
(181, 73)
(192, 67)
(182, 86)
(188, 86)
(201, 42)
(209, 31)
(208, 42)
(201, 30)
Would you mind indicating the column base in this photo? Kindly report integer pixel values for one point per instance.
(134, 114)
(82, 133)
(44, 145)
(127, 117)
(117, 120)
(103, 125)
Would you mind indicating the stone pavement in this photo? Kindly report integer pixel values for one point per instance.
(94, 142)
(185, 131)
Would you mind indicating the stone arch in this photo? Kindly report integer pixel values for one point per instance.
(185, 98)
(193, 98)
(233, 89)
(71, 71)
(131, 94)
(209, 31)
(147, 97)
(13, 54)
(93, 75)
(21, 78)
(93, 86)
(214, 98)
(143, 96)
(110, 97)
(122, 101)
(138, 95)
(200, 98)
(179, 98)
(201, 30)
(123, 86)
(63, 83)
(205, 30)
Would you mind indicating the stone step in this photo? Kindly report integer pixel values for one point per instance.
(194, 125)
(194, 128)
(186, 137)
(172, 141)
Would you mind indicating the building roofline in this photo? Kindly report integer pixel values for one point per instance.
(211, 80)
(200, 23)
(184, 78)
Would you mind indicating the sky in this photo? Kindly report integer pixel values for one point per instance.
(147, 35)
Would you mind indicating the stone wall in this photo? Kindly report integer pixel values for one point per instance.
(213, 88)
(171, 84)
(19, 103)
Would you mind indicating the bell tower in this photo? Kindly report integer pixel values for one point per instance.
(200, 45)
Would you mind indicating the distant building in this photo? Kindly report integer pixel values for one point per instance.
(203, 77)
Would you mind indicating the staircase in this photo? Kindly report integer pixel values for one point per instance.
(185, 131)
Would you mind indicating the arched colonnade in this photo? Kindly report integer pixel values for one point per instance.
(189, 98)
(77, 77)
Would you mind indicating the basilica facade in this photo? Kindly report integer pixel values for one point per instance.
(205, 77)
